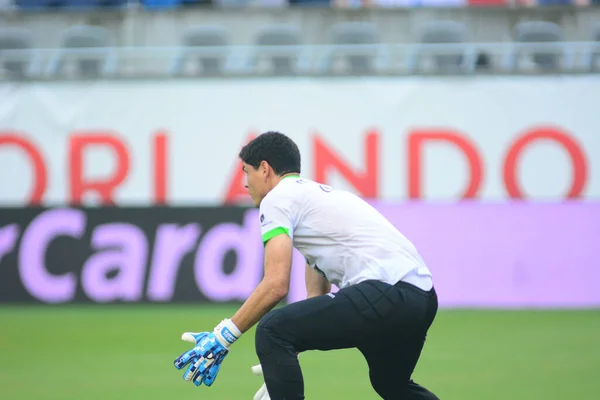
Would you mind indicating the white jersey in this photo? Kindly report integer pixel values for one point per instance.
(341, 236)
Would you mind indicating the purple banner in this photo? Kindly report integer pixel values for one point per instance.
(481, 255)
(507, 255)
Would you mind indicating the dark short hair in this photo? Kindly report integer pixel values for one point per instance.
(277, 149)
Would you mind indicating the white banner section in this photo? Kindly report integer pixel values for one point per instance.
(176, 142)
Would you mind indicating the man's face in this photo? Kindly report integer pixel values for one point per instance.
(256, 182)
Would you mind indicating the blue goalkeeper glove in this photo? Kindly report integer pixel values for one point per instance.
(210, 349)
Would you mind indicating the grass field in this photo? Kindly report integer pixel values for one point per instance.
(126, 352)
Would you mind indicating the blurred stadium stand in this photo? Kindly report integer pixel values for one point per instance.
(64, 39)
(284, 60)
(88, 48)
(197, 42)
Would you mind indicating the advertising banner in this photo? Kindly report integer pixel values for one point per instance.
(142, 143)
(481, 255)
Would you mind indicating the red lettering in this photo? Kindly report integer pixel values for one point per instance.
(545, 133)
(236, 191)
(160, 168)
(39, 167)
(416, 141)
(105, 188)
(366, 182)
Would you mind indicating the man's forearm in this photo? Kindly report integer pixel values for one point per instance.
(266, 296)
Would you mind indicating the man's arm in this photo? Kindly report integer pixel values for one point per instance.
(316, 284)
(273, 287)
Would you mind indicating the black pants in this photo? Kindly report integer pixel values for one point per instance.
(388, 324)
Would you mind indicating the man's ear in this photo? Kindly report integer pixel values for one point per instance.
(265, 167)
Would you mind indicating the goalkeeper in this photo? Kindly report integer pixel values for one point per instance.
(385, 305)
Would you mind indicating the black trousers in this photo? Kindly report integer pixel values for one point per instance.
(386, 323)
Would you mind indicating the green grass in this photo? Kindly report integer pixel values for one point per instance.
(126, 352)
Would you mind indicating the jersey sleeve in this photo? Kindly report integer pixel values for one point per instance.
(275, 218)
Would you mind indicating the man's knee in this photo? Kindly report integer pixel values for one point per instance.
(266, 337)
(270, 320)
(386, 388)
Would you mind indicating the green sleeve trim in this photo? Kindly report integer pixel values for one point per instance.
(274, 232)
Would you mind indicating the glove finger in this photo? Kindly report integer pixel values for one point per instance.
(202, 373)
(213, 370)
(192, 337)
(200, 369)
(197, 371)
(198, 380)
(191, 372)
(211, 374)
(185, 359)
(257, 370)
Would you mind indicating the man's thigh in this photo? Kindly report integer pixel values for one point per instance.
(335, 321)
(393, 359)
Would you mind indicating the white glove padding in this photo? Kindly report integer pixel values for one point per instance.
(262, 393)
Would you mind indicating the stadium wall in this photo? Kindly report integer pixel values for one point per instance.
(120, 192)
(176, 142)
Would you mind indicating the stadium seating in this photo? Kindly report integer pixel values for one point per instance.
(16, 39)
(207, 63)
(171, 4)
(348, 40)
(277, 44)
(592, 58)
(69, 4)
(548, 58)
(454, 59)
(489, 3)
(38, 4)
(161, 4)
(351, 47)
(88, 48)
